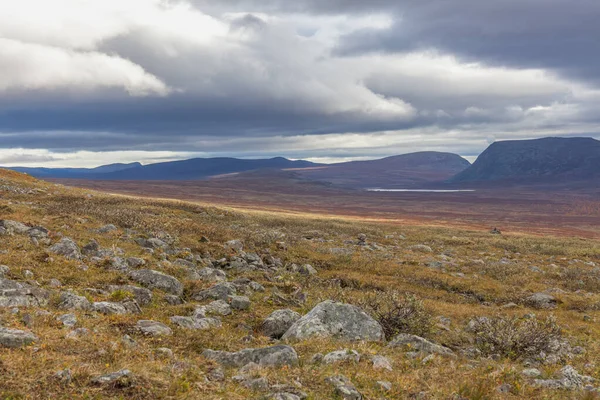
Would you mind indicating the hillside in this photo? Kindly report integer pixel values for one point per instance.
(544, 160)
(74, 173)
(400, 171)
(112, 297)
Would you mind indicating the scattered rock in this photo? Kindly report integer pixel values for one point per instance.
(341, 356)
(109, 308)
(275, 356)
(239, 302)
(14, 338)
(278, 322)
(531, 373)
(70, 301)
(121, 378)
(541, 301)
(68, 320)
(66, 248)
(220, 291)
(234, 246)
(157, 280)
(419, 344)
(153, 328)
(141, 295)
(344, 388)
(338, 320)
(381, 362)
(212, 275)
(107, 228)
(135, 262)
(77, 333)
(421, 248)
(307, 269)
(195, 323)
(568, 379)
(384, 385)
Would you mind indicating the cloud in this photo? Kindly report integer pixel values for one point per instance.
(324, 79)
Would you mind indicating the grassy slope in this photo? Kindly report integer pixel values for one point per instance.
(28, 373)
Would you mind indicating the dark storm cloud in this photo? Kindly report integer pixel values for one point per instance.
(560, 35)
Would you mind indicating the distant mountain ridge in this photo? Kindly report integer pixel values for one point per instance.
(74, 172)
(535, 161)
(406, 170)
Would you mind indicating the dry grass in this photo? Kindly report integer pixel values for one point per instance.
(471, 280)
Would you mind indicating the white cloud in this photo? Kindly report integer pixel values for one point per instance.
(29, 66)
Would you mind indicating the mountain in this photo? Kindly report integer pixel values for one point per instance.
(391, 172)
(75, 172)
(197, 168)
(544, 160)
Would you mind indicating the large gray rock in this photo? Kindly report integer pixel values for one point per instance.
(17, 294)
(15, 338)
(157, 280)
(195, 323)
(14, 227)
(153, 328)
(152, 243)
(66, 248)
(212, 275)
(338, 320)
(341, 356)
(239, 302)
(109, 308)
(568, 379)
(275, 356)
(70, 301)
(278, 322)
(417, 343)
(143, 296)
(343, 388)
(542, 301)
(111, 378)
(220, 291)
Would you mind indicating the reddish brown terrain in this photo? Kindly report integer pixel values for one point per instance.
(549, 210)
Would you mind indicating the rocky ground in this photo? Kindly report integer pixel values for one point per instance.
(113, 297)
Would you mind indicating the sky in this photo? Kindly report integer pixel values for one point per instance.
(87, 82)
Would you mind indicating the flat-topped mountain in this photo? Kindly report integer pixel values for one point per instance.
(536, 161)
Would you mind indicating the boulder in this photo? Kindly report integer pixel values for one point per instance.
(122, 376)
(70, 301)
(195, 323)
(220, 291)
(143, 296)
(14, 338)
(275, 356)
(239, 302)
(66, 248)
(212, 275)
(341, 356)
(417, 343)
(14, 227)
(153, 328)
(17, 294)
(338, 320)
(541, 301)
(343, 388)
(278, 322)
(109, 308)
(157, 280)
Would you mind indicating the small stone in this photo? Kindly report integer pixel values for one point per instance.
(123, 377)
(381, 362)
(234, 245)
(505, 388)
(307, 269)
(68, 320)
(77, 333)
(341, 356)
(239, 302)
(344, 388)
(384, 385)
(128, 341)
(153, 328)
(531, 373)
(164, 352)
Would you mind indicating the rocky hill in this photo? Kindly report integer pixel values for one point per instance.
(121, 298)
(536, 161)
